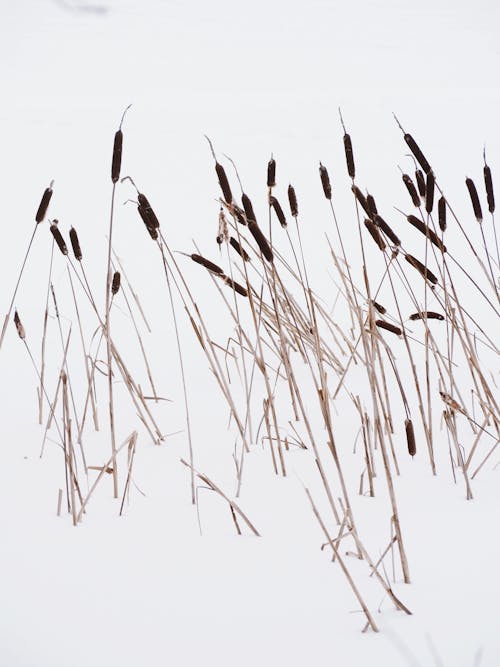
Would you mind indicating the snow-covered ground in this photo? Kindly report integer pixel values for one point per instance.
(257, 78)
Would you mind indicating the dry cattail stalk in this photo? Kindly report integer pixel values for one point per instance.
(115, 285)
(442, 213)
(278, 210)
(380, 222)
(44, 204)
(271, 173)
(147, 210)
(325, 181)
(224, 183)
(375, 234)
(474, 199)
(361, 199)
(388, 327)
(292, 200)
(429, 192)
(19, 326)
(451, 402)
(488, 184)
(419, 156)
(214, 268)
(412, 190)
(116, 162)
(410, 437)
(261, 240)
(349, 155)
(424, 272)
(75, 244)
(236, 286)
(239, 249)
(248, 208)
(379, 307)
(370, 200)
(58, 238)
(426, 231)
(427, 314)
(420, 178)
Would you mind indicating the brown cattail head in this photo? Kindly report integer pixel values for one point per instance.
(442, 213)
(116, 162)
(236, 286)
(426, 231)
(382, 324)
(349, 155)
(488, 183)
(248, 208)
(420, 178)
(224, 183)
(152, 230)
(148, 211)
(261, 240)
(271, 173)
(379, 307)
(429, 192)
(214, 268)
(427, 314)
(115, 285)
(240, 215)
(292, 200)
(474, 197)
(375, 234)
(410, 437)
(361, 199)
(19, 326)
(325, 181)
(75, 244)
(278, 210)
(370, 200)
(44, 204)
(239, 249)
(412, 190)
(58, 238)
(421, 268)
(419, 156)
(380, 222)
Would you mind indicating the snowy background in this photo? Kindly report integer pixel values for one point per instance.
(258, 78)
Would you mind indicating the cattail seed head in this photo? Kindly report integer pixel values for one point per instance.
(239, 249)
(75, 244)
(116, 162)
(58, 238)
(442, 213)
(412, 190)
(410, 437)
(419, 156)
(426, 231)
(224, 183)
(474, 197)
(148, 211)
(248, 208)
(261, 240)
(370, 200)
(271, 173)
(375, 234)
(420, 178)
(379, 307)
(380, 222)
(427, 314)
(361, 199)
(20, 329)
(236, 286)
(349, 155)
(213, 268)
(44, 204)
(152, 230)
(429, 192)
(488, 183)
(325, 181)
(382, 324)
(115, 285)
(292, 200)
(421, 268)
(276, 206)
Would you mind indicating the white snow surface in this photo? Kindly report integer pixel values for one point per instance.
(146, 588)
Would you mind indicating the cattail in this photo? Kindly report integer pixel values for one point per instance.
(239, 249)
(429, 192)
(236, 286)
(148, 211)
(240, 216)
(380, 222)
(361, 199)
(116, 162)
(19, 326)
(412, 190)
(115, 285)
(442, 213)
(375, 234)
(58, 238)
(292, 200)
(419, 156)
(420, 178)
(370, 200)
(421, 268)
(214, 268)
(152, 230)
(427, 314)
(44, 204)
(278, 210)
(388, 327)
(410, 437)
(379, 307)
(271, 173)
(224, 183)
(426, 231)
(325, 181)
(75, 244)
(260, 240)
(247, 205)
(349, 155)
(488, 183)
(474, 199)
